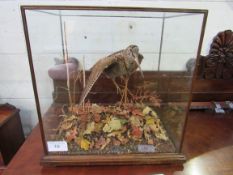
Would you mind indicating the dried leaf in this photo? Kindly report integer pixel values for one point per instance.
(101, 141)
(137, 112)
(122, 139)
(98, 127)
(92, 144)
(97, 118)
(108, 140)
(148, 111)
(85, 144)
(123, 121)
(96, 108)
(116, 142)
(161, 136)
(150, 141)
(71, 135)
(158, 132)
(107, 120)
(113, 125)
(70, 118)
(114, 134)
(90, 128)
(107, 128)
(78, 141)
(147, 130)
(66, 125)
(150, 120)
(136, 133)
(122, 113)
(154, 128)
(135, 121)
(124, 129)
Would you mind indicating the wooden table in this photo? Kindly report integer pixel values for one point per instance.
(11, 132)
(208, 146)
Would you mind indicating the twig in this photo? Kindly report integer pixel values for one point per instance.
(67, 67)
(84, 78)
(78, 77)
(84, 73)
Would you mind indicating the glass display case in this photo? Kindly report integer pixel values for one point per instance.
(111, 84)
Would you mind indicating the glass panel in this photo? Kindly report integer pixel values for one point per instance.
(113, 82)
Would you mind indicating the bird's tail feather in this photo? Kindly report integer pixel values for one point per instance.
(91, 81)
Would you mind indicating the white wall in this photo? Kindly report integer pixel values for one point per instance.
(15, 81)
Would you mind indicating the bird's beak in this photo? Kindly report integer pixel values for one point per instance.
(137, 61)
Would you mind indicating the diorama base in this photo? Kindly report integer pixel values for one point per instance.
(132, 159)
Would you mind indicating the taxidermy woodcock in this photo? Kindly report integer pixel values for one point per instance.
(119, 64)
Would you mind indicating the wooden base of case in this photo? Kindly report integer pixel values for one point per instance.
(130, 159)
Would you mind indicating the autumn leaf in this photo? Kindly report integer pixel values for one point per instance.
(108, 140)
(158, 132)
(96, 108)
(70, 118)
(147, 130)
(98, 127)
(123, 121)
(85, 144)
(66, 125)
(154, 128)
(71, 135)
(137, 112)
(114, 133)
(91, 144)
(122, 113)
(136, 132)
(116, 142)
(107, 128)
(78, 140)
(122, 139)
(113, 125)
(135, 121)
(150, 120)
(97, 118)
(101, 141)
(150, 141)
(90, 128)
(148, 111)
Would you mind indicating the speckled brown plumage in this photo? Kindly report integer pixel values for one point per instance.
(118, 64)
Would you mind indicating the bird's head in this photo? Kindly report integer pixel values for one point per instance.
(133, 51)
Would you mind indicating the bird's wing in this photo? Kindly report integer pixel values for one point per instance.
(96, 71)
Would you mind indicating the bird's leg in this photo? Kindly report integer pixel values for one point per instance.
(132, 95)
(122, 97)
(126, 90)
(117, 87)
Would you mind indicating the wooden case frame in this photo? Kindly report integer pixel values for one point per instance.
(63, 160)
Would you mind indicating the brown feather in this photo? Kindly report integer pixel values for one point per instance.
(120, 63)
(97, 70)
